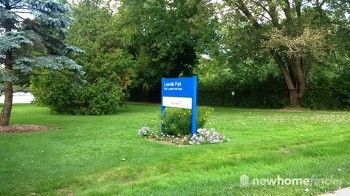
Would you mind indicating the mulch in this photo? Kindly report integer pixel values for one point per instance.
(22, 128)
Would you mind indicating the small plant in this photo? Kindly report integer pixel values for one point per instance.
(144, 131)
(177, 121)
(175, 128)
(205, 136)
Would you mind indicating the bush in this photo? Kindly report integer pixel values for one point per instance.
(53, 90)
(343, 88)
(64, 94)
(176, 121)
(268, 93)
(102, 98)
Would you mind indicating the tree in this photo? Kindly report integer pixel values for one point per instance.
(34, 35)
(108, 68)
(165, 36)
(100, 38)
(295, 33)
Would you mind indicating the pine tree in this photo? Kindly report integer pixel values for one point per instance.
(32, 35)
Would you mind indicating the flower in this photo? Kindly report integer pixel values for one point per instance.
(207, 136)
(203, 136)
(144, 131)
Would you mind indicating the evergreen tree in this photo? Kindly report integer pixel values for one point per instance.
(33, 35)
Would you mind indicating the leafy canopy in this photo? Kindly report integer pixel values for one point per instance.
(166, 36)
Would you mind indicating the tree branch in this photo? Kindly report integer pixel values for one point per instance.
(258, 3)
(286, 73)
(19, 16)
(15, 3)
(300, 76)
(273, 13)
(298, 7)
(244, 9)
(287, 11)
(288, 14)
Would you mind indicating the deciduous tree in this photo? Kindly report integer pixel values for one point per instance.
(166, 36)
(292, 32)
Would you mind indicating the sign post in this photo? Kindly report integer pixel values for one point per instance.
(181, 93)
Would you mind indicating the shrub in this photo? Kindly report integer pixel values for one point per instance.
(53, 90)
(101, 98)
(176, 121)
(343, 88)
(64, 94)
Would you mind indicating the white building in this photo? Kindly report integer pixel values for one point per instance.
(20, 97)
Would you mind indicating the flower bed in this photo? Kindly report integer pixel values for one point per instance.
(175, 128)
(203, 136)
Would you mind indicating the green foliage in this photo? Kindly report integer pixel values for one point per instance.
(268, 93)
(254, 83)
(320, 99)
(36, 39)
(53, 90)
(343, 87)
(221, 73)
(321, 93)
(109, 70)
(12, 41)
(165, 37)
(62, 94)
(293, 34)
(100, 98)
(99, 37)
(32, 35)
(176, 121)
(243, 60)
(309, 42)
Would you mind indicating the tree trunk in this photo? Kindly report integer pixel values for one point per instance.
(9, 61)
(293, 71)
(6, 110)
(293, 98)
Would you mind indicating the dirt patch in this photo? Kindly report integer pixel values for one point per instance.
(65, 191)
(22, 128)
(286, 151)
(294, 109)
(166, 142)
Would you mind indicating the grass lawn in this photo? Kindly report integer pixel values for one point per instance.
(104, 155)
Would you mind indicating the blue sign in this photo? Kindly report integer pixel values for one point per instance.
(181, 93)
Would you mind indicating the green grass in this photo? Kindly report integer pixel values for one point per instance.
(84, 154)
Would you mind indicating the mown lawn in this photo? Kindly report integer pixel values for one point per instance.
(85, 154)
